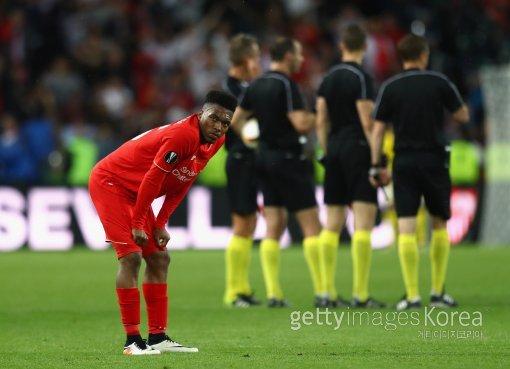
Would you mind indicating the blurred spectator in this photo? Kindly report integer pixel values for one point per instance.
(115, 96)
(62, 81)
(16, 163)
(82, 150)
(131, 65)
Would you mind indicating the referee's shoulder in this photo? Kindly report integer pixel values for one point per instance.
(399, 77)
(438, 75)
(346, 68)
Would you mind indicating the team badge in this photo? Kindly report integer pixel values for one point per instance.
(171, 157)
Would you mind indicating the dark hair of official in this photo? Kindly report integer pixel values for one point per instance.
(354, 37)
(241, 46)
(282, 46)
(411, 47)
(221, 98)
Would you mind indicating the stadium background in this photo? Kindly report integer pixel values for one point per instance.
(78, 78)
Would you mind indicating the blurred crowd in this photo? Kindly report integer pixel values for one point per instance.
(79, 77)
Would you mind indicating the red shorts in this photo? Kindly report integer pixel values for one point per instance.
(115, 206)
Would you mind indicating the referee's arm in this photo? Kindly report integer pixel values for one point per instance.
(376, 141)
(322, 123)
(239, 119)
(461, 115)
(365, 108)
(378, 174)
(302, 121)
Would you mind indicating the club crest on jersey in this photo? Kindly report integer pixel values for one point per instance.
(171, 157)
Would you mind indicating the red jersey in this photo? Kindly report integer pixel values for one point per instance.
(163, 161)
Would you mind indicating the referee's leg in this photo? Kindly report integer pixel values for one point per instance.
(439, 252)
(276, 221)
(361, 248)
(309, 223)
(328, 245)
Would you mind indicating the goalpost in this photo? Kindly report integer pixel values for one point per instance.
(495, 227)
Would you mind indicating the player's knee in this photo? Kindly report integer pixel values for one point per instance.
(165, 260)
(160, 261)
(131, 262)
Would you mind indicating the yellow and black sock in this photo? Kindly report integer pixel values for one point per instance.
(270, 261)
(361, 257)
(409, 257)
(311, 251)
(439, 251)
(236, 266)
(328, 246)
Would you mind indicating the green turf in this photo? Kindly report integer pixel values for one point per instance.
(59, 310)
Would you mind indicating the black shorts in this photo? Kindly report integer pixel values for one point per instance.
(346, 179)
(242, 182)
(287, 180)
(421, 173)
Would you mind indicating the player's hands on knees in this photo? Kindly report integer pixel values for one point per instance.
(161, 236)
(140, 237)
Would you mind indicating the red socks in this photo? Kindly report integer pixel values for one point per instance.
(129, 302)
(157, 306)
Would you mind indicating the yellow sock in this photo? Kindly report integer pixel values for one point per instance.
(328, 246)
(408, 253)
(270, 260)
(439, 251)
(311, 251)
(244, 274)
(361, 256)
(234, 256)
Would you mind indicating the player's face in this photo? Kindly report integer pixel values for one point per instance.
(214, 122)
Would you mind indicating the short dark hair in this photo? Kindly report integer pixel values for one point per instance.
(411, 47)
(241, 46)
(354, 37)
(221, 98)
(281, 46)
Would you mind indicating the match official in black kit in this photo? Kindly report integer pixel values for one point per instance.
(344, 125)
(286, 175)
(414, 101)
(244, 55)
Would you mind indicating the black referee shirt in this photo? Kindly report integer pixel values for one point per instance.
(414, 102)
(344, 84)
(271, 97)
(234, 143)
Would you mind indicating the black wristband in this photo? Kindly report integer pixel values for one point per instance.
(383, 162)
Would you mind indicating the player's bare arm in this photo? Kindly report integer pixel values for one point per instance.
(322, 123)
(303, 121)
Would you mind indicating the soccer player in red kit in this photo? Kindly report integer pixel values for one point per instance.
(163, 161)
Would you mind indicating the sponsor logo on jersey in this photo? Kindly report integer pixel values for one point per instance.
(171, 157)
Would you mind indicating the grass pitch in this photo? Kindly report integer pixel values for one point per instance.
(59, 310)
